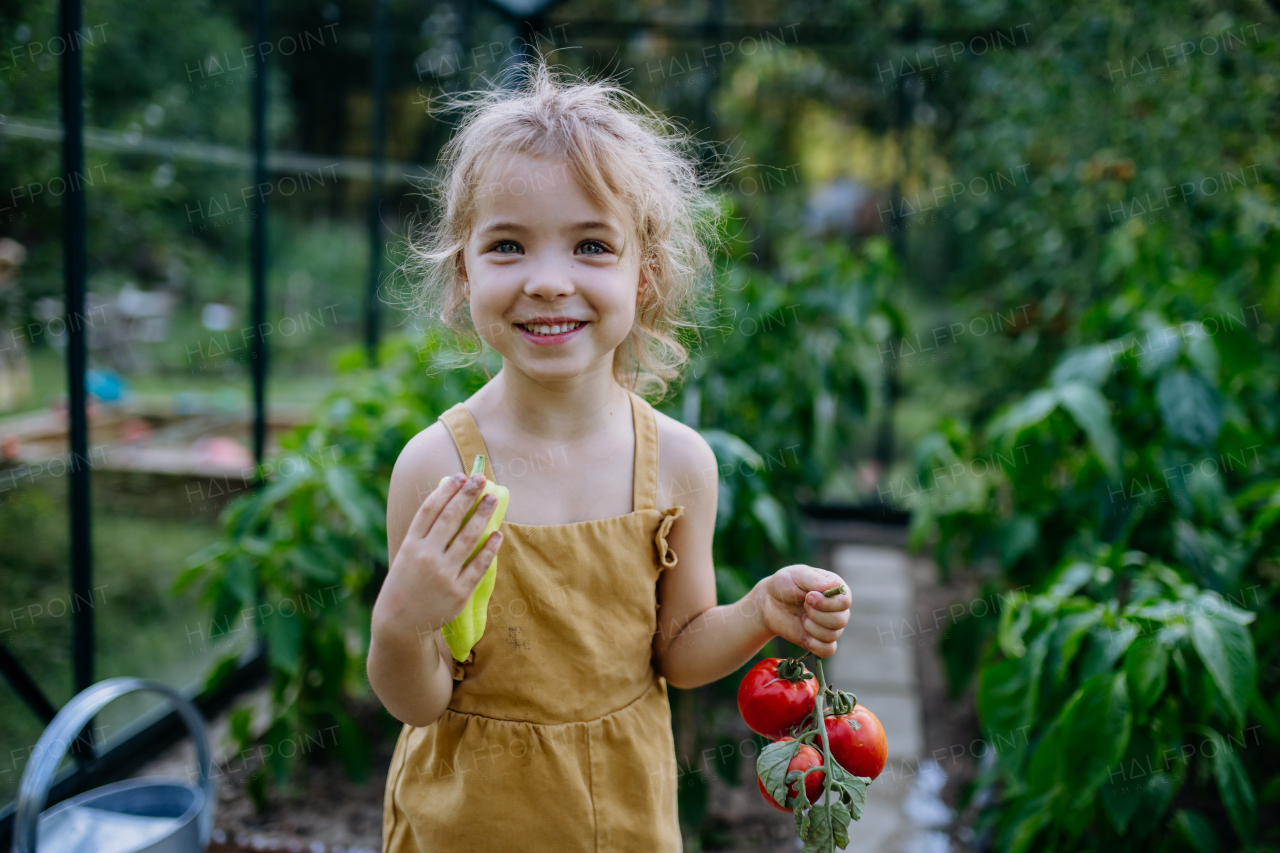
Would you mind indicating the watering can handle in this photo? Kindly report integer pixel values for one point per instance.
(37, 779)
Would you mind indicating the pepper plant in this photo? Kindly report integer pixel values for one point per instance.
(1099, 697)
(1127, 512)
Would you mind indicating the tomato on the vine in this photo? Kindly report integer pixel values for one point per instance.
(804, 759)
(857, 742)
(775, 695)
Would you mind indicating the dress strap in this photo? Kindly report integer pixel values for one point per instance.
(466, 436)
(645, 474)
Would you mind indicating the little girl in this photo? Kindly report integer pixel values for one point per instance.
(572, 240)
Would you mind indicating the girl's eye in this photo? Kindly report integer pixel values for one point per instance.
(499, 247)
(597, 245)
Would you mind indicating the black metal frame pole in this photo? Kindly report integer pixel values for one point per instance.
(25, 686)
(377, 169)
(258, 241)
(74, 257)
(901, 104)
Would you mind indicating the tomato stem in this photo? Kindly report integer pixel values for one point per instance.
(826, 745)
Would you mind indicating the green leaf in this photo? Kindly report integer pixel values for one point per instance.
(1234, 788)
(1007, 694)
(1065, 642)
(351, 498)
(1127, 783)
(1216, 562)
(827, 827)
(772, 518)
(853, 789)
(239, 724)
(771, 767)
(1090, 365)
(1095, 733)
(1026, 822)
(353, 747)
(1140, 789)
(221, 671)
(1106, 644)
(238, 577)
(314, 566)
(1147, 665)
(1227, 651)
(1013, 623)
(1043, 771)
(1017, 536)
(271, 494)
(207, 553)
(1028, 411)
(1190, 409)
(1194, 829)
(1067, 580)
(960, 646)
(1091, 413)
(284, 640)
(188, 576)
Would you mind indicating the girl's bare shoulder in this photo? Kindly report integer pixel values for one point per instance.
(687, 472)
(429, 456)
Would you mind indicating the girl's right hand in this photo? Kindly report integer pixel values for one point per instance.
(428, 583)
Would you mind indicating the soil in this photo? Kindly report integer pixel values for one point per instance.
(328, 813)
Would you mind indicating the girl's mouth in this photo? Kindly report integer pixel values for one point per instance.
(546, 335)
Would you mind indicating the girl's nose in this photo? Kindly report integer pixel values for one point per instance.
(549, 278)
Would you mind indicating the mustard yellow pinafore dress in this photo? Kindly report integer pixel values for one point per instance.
(558, 737)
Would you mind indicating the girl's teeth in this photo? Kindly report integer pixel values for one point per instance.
(553, 330)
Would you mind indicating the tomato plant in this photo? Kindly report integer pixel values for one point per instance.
(830, 795)
(775, 696)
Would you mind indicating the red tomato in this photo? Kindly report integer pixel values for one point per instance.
(804, 759)
(770, 704)
(857, 742)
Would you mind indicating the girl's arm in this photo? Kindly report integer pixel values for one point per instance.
(410, 667)
(696, 641)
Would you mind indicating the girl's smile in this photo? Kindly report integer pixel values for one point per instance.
(549, 333)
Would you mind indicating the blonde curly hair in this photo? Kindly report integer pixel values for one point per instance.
(627, 159)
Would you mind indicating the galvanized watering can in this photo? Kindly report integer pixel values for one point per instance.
(155, 814)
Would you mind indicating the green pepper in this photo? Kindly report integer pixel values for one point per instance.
(464, 631)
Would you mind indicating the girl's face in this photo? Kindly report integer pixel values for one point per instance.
(547, 287)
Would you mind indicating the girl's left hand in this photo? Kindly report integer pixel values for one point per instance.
(792, 606)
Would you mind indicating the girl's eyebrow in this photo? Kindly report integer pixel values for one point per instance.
(591, 225)
(503, 226)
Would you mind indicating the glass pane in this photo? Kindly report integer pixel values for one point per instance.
(168, 285)
(35, 621)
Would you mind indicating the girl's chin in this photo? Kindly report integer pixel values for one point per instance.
(556, 369)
